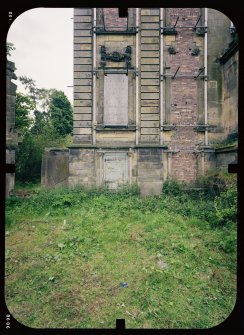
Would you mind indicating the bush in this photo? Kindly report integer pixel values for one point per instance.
(229, 243)
(226, 206)
(173, 187)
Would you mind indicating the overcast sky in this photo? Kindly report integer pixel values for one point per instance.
(43, 38)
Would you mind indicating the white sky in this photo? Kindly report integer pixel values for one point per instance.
(43, 38)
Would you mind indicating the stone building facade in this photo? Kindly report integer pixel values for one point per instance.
(155, 89)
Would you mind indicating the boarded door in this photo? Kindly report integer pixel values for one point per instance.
(115, 169)
(116, 99)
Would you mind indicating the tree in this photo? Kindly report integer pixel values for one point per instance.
(23, 107)
(43, 97)
(41, 122)
(60, 111)
(51, 124)
(30, 86)
(28, 160)
(10, 47)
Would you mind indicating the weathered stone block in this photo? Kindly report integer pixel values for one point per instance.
(149, 32)
(149, 61)
(82, 25)
(81, 61)
(82, 82)
(80, 117)
(148, 75)
(149, 89)
(82, 103)
(149, 18)
(82, 53)
(83, 40)
(150, 96)
(169, 39)
(83, 32)
(86, 96)
(55, 168)
(80, 47)
(149, 110)
(83, 11)
(149, 103)
(149, 11)
(150, 46)
(83, 68)
(82, 131)
(82, 75)
(150, 117)
(147, 53)
(83, 123)
(149, 130)
(149, 123)
(82, 139)
(81, 18)
(82, 89)
(83, 110)
(149, 40)
(149, 68)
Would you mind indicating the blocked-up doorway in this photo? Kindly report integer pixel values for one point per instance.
(115, 169)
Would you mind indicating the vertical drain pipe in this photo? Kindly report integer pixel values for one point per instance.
(206, 73)
(94, 77)
(161, 55)
(137, 73)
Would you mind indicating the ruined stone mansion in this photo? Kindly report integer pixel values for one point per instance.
(155, 96)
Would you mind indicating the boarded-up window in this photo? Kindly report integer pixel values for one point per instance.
(115, 169)
(116, 99)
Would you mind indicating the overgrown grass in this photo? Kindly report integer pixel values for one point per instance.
(69, 250)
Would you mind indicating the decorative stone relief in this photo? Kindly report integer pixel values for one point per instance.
(116, 56)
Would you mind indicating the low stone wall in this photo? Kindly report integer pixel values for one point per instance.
(225, 156)
(55, 168)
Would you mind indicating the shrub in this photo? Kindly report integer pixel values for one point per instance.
(226, 206)
(173, 187)
(229, 243)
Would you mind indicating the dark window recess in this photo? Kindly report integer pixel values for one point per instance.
(123, 12)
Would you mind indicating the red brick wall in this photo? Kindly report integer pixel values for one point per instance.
(184, 166)
(183, 94)
(112, 20)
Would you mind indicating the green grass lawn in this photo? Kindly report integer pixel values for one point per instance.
(67, 254)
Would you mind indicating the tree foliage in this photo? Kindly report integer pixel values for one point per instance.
(10, 47)
(28, 159)
(45, 118)
(23, 107)
(30, 86)
(61, 113)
